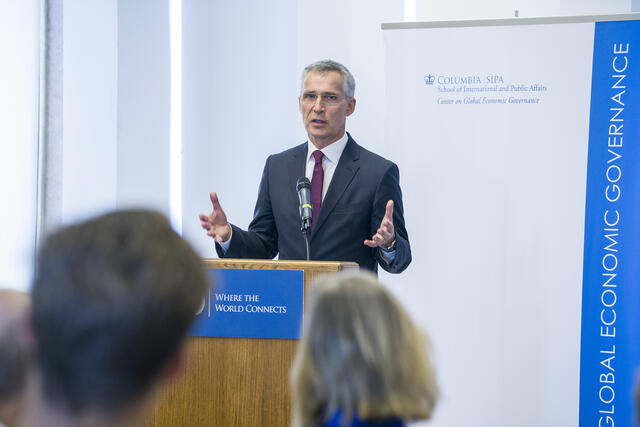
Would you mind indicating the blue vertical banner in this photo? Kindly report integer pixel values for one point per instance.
(610, 337)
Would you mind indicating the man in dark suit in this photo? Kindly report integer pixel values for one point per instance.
(357, 202)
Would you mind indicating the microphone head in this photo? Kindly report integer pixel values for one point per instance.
(303, 182)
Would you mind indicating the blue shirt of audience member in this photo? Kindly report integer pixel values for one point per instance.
(336, 421)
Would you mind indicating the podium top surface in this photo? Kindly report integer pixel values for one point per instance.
(319, 266)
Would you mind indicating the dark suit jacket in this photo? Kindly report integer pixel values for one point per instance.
(351, 212)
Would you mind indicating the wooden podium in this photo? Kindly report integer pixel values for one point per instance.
(237, 381)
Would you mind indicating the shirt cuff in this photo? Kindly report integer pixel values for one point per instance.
(225, 245)
(388, 257)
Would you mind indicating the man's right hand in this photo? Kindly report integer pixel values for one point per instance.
(216, 223)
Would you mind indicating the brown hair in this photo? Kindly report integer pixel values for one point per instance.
(15, 350)
(113, 298)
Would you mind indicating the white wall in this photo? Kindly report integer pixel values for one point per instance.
(143, 104)
(115, 110)
(19, 86)
(90, 95)
(239, 103)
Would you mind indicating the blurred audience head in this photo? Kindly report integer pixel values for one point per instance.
(15, 355)
(113, 298)
(636, 393)
(361, 357)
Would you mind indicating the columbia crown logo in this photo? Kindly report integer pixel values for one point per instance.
(429, 79)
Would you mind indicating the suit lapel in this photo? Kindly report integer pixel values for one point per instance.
(346, 169)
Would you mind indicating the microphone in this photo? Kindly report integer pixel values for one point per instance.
(306, 211)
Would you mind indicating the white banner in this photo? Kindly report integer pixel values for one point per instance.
(490, 127)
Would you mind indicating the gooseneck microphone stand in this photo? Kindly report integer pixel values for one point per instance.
(305, 233)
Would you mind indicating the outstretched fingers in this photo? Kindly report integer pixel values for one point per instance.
(214, 201)
(385, 232)
(388, 212)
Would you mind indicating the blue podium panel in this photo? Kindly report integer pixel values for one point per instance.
(252, 304)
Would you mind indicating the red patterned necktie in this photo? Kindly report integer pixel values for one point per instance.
(316, 185)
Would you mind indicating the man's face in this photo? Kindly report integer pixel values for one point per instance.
(324, 107)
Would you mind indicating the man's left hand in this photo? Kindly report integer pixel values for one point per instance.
(385, 234)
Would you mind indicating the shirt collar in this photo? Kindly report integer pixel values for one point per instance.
(332, 151)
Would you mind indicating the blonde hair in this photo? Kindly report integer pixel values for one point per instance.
(361, 354)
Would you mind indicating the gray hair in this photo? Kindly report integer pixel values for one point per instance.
(361, 354)
(324, 66)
